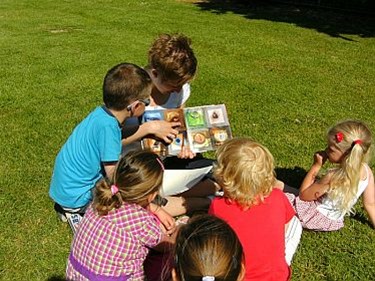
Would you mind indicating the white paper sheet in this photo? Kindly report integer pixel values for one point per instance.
(177, 181)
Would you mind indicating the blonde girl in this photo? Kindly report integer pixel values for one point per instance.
(257, 211)
(118, 228)
(207, 249)
(322, 204)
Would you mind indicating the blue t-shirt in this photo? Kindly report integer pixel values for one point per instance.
(78, 166)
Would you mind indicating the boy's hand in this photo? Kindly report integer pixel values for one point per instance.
(164, 130)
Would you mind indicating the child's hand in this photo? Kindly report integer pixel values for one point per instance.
(164, 130)
(186, 153)
(166, 219)
(320, 158)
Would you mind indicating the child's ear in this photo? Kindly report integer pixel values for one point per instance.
(138, 109)
(154, 73)
(137, 106)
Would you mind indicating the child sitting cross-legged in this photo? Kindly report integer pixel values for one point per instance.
(118, 229)
(259, 213)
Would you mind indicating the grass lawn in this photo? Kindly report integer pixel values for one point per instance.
(285, 74)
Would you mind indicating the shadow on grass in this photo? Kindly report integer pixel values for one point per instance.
(56, 278)
(361, 218)
(291, 176)
(330, 22)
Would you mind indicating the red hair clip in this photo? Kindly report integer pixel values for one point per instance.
(339, 137)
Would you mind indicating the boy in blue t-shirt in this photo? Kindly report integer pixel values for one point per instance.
(94, 147)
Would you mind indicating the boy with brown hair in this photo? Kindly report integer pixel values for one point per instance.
(94, 147)
(172, 65)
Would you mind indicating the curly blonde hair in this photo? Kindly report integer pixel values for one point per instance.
(353, 138)
(173, 58)
(245, 170)
(137, 175)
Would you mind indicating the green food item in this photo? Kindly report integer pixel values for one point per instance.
(195, 118)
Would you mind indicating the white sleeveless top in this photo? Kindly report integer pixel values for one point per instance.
(328, 207)
(175, 100)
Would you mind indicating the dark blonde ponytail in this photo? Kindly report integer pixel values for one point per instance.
(137, 175)
(108, 201)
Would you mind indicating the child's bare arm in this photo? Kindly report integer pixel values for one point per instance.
(109, 169)
(314, 191)
(369, 198)
(159, 128)
(310, 188)
(167, 241)
(165, 218)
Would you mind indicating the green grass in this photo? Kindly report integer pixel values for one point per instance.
(286, 75)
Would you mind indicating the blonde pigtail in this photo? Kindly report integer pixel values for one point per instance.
(353, 138)
(345, 180)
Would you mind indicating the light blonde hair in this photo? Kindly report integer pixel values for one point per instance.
(173, 58)
(137, 175)
(245, 170)
(353, 139)
(208, 246)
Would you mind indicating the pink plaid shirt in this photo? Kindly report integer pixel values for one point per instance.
(113, 247)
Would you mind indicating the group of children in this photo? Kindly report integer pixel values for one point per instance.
(109, 192)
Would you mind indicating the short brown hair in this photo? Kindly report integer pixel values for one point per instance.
(173, 58)
(124, 83)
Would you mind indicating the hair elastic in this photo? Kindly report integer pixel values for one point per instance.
(208, 278)
(160, 162)
(339, 137)
(114, 189)
(357, 142)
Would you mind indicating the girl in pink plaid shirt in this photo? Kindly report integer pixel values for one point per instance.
(118, 229)
(322, 204)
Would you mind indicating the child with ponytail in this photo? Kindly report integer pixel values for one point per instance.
(118, 228)
(208, 249)
(322, 204)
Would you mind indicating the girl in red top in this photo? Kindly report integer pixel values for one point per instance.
(258, 212)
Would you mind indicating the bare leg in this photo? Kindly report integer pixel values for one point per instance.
(178, 205)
